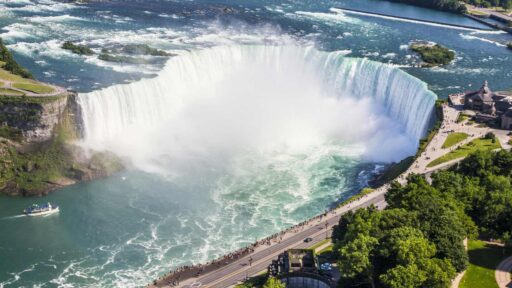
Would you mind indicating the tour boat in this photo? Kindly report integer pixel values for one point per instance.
(36, 210)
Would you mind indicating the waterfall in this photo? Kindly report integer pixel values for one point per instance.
(193, 76)
(406, 98)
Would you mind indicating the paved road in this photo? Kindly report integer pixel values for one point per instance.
(237, 271)
(9, 85)
(502, 273)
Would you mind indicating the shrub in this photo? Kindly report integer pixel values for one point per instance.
(10, 64)
(77, 49)
(143, 49)
(490, 135)
(434, 55)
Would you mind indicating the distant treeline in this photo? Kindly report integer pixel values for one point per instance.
(10, 64)
(506, 4)
(453, 6)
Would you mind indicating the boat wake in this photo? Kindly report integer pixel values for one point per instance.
(13, 217)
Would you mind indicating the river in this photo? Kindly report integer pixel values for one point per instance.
(269, 114)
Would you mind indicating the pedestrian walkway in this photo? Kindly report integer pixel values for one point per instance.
(227, 271)
(450, 125)
(503, 273)
(10, 85)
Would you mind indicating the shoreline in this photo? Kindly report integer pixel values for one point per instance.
(188, 272)
(388, 16)
(238, 266)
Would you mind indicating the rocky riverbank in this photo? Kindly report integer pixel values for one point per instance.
(38, 151)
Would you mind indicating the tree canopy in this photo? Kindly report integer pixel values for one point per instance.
(444, 5)
(274, 283)
(10, 64)
(417, 241)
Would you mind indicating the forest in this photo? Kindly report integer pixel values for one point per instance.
(417, 241)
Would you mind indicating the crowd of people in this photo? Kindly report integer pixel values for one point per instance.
(189, 271)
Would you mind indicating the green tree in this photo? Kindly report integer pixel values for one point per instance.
(477, 164)
(403, 276)
(10, 64)
(417, 266)
(274, 283)
(507, 239)
(441, 217)
(355, 261)
(440, 273)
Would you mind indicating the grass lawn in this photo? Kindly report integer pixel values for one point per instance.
(35, 88)
(23, 83)
(483, 260)
(4, 91)
(478, 13)
(313, 247)
(462, 117)
(14, 78)
(359, 195)
(454, 138)
(327, 249)
(464, 150)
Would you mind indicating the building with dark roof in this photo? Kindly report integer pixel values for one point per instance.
(298, 268)
(480, 100)
(506, 120)
(491, 107)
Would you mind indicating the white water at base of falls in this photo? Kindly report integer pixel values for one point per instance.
(208, 105)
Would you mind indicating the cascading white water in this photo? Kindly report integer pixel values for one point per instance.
(255, 97)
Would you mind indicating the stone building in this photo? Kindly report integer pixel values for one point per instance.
(506, 120)
(491, 107)
(480, 100)
(298, 268)
(302, 260)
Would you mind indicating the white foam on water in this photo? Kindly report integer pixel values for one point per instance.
(336, 18)
(40, 6)
(17, 276)
(59, 18)
(343, 12)
(473, 37)
(229, 114)
(14, 217)
(182, 71)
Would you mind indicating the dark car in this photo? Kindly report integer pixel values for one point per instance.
(309, 239)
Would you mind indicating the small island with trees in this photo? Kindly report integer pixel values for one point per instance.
(432, 54)
(77, 49)
(118, 55)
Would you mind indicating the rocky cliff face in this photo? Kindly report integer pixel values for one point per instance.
(35, 119)
(37, 150)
